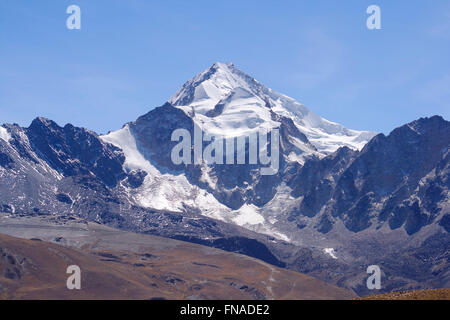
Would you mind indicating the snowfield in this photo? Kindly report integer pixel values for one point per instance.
(4, 134)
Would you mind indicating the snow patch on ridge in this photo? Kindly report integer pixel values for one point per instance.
(124, 140)
(331, 252)
(250, 217)
(4, 134)
(248, 214)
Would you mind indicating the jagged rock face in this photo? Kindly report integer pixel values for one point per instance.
(315, 180)
(5, 160)
(153, 133)
(59, 146)
(48, 169)
(385, 182)
(399, 179)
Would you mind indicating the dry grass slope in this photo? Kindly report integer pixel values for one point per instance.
(31, 269)
(432, 294)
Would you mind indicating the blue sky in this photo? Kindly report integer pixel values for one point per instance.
(132, 55)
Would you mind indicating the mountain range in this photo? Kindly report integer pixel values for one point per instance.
(341, 199)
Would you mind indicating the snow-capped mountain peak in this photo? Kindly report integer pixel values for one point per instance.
(211, 86)
(226, 102)
(223, 100)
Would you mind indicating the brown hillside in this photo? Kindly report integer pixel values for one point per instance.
(31, 269)
(432, 294)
